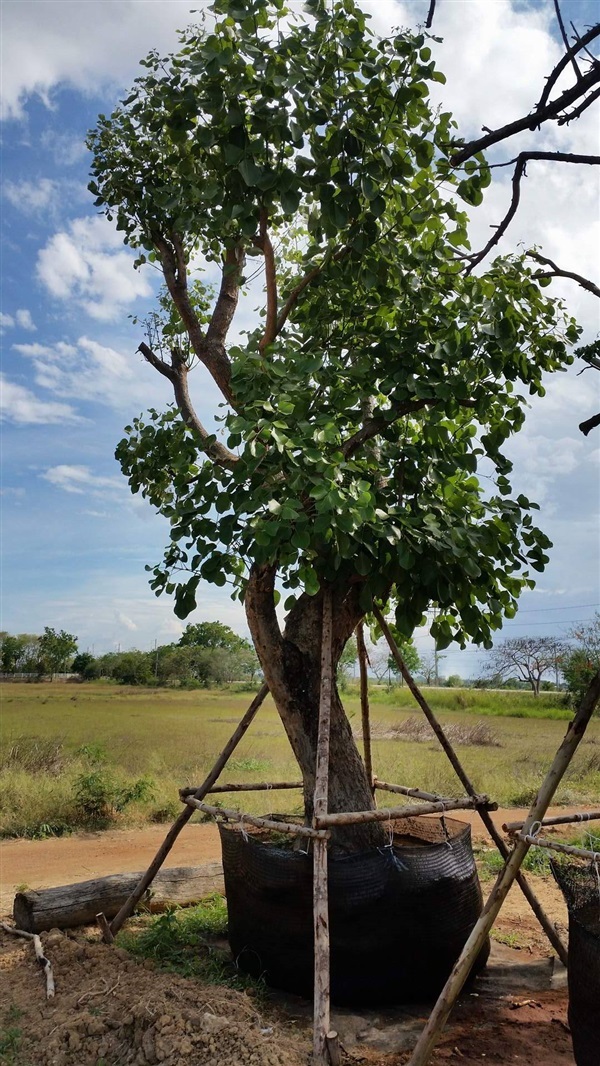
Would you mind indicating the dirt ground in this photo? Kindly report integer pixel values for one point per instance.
(111, 1010)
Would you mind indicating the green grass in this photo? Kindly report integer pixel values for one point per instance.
(57, 736)
(183, 941)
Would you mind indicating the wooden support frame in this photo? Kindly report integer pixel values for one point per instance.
(145, 881)
(506, 877)
(322, 1047)
(251, 819)
(385, 814)
(559, 819)
(363, 662)
(555, 845)
(545, 922)
(254, 786)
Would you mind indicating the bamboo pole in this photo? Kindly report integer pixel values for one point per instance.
(186, 814)
(254, 786)
(294, 828)
(462, 968)
(322, 991)
(363, 660)
(568, 849)
(417, 793)
(384, 814)
(522, 881)
(560, 819)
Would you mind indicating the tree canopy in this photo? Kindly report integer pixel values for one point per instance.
(379, 373)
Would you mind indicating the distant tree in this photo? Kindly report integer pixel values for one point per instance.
(18, 653)
(212, 635)
(408, 652)
(85, 665)
(132, 668)
(56, 648)
(527, 658)
(578, 665)
(454, 681)
(429, 667)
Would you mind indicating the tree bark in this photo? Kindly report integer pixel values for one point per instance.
(291, 665)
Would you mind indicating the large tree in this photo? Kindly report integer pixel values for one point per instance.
(527, 658)
(375, 378)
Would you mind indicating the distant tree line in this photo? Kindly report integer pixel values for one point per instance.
(38, 656)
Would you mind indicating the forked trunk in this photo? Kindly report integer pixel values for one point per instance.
(292, 664)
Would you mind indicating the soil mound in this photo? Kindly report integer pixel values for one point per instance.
(111, 1009)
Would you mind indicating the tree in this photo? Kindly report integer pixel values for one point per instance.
(85, 665)
(578, 665)
(378, 373)
(56, 648)
(19, 653)
(212, 635)
(529, 657)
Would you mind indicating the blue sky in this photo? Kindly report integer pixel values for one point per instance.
(75, 542)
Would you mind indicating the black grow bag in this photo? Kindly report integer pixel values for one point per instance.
(399, 916)
(581, 889)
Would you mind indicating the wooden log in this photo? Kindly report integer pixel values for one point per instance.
(333, 1047)
(239, 817)
(385, 814)
(68, 906)
(322, 992)
(469, 788)
(506, 877)
(182, 820)
(559, 819)
(363, 660)
(566, 849)
(255, 786)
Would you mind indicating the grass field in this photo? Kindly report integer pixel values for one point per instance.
(96, 754)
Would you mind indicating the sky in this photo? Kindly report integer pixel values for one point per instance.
(74, 541)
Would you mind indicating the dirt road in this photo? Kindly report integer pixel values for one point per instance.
(65, 860)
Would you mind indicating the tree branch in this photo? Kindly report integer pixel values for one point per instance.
(577, 111)
(589, 424)
(543, 110)
(177, 374)
(563, 33)
(292, 299)
(263, 241)
(378, 422)
(430, 14)
(563, 63)
(556, 272)
(520, 169)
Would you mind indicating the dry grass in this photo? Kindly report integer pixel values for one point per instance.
(479, 734)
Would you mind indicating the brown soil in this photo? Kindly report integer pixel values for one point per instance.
(110, 1010)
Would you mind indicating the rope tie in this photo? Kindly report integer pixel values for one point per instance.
(243, 829)
(389, 847)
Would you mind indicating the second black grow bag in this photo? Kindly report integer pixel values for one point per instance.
(399, 915)
(580, 886)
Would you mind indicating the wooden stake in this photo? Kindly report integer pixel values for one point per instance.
(364, 698)
(129, 906)
(295, 828)
(333, 1047)
(384, 814)
(524, 885)
(102, 923)
(561, 819)
(254, 786)
(462, 968)
(321, 1012)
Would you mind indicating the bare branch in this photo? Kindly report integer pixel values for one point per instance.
(563, 63)
(543, 111)
(589, 424)
(577, 111)
(177, 374)
(563, 32)
(520, 169)
(556, 272)
(430, 14)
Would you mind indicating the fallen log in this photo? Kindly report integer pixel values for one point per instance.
(70, 905)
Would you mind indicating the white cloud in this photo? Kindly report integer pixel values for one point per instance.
(31, 197)
(65, 148)
(92, 372)
(6, 321)
(25, 321)
(125, 621)
(20, 405)
(87, 263)
(91, 46)
(81, 480)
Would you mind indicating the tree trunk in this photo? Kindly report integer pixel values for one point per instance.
(291, 665)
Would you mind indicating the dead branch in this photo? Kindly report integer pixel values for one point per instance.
(45, 963)
(563, 34)
(520, 170)
(430, 14)
(589, 423)
(545, 110)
